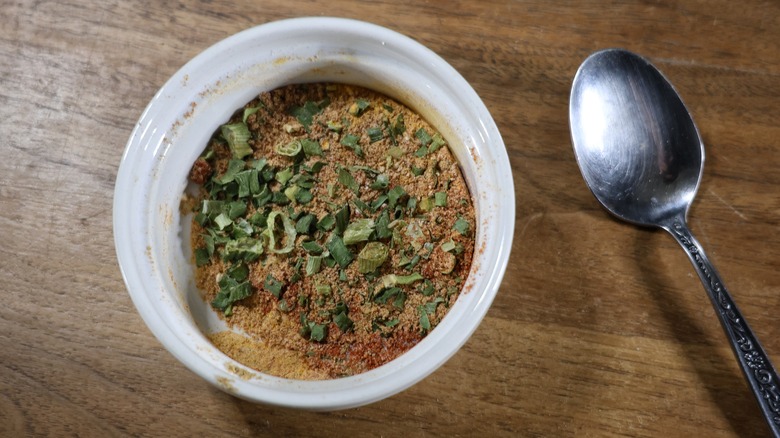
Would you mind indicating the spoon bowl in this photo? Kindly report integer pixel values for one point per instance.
(642, 157)
(635, 141)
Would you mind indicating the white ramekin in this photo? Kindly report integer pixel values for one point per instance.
(151, 236)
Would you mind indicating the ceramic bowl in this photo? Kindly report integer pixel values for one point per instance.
(151, 235)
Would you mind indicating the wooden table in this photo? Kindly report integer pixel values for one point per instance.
(599, 329)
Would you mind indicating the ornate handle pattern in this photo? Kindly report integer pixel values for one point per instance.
(756, 366)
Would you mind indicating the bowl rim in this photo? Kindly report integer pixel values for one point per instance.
(316, 395)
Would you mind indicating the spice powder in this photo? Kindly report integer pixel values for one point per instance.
(333, 227)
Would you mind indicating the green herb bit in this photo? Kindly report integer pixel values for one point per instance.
(236, 209)
(305, 114)
(347, 180)
(390, 280)
(323, 289)
(284, 175)
(395, 195)
(313, 264)
(222, 221)
(395, 152)
(211, 208)
(411, 205)
(452, 246)
(234, 167)
(397, 127)
(249, 111)
(423, 136)
(388, 294)
(318, 332)
(440, 199)
(201, 219)
(359, 107)
(283, 306)
(312, 247)
(415, 260)
(273, 285)
(239, 272)
(268, 174)
(339, 251)
(429, 248)
(305, 331)
(305, 223)
(372, 256)
(245, 248)
(382, 229)
(237, 136)
(418, 171)
(202, 257)
(361, 206)
(425, 310)
(289, 232)
(376, 203)
(375, 134)
(326, 223)
(425, 322)
(311, 147)
(331, 191)
(436, 143)
(381, 182)
(248, 183)
(208, 154)
(296, 277)
(428, 289)
(448, 246)
(230, 291)
(316, 167)
(279, 198)
(290, 149)
(291, 192)
(426, 204)
(370, 171)
(414, 235)
(462, 226)
(303, 181)
(209, 241)
(258, 164)
(242, 228)
(343, 322)
(423, 151)
(335, 126)
(304, 196)
(430, 307)
(352, 142)
(358, 230)
(342, 220)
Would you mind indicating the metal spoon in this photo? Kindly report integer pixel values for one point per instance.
(641, 156)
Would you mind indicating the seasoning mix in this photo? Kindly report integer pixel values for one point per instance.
(332, 227)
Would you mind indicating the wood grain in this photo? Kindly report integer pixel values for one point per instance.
(599, 329)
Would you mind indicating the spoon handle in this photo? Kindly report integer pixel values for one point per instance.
(756, 366)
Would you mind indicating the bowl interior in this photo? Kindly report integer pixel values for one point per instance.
(152, 235)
